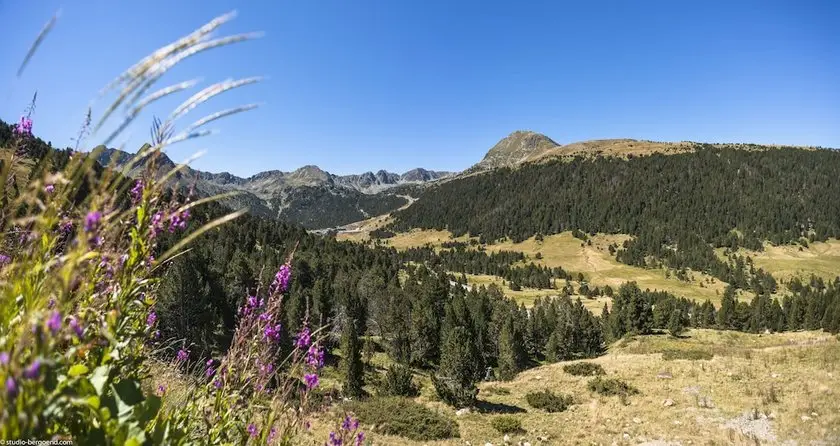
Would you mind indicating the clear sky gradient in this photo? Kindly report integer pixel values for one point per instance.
(369, 84)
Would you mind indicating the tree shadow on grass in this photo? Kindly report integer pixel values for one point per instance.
(488, 407)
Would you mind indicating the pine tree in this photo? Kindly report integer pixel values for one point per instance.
(511, 352)
(676, 323)
(454, 380)
(726, 314)
(351, 348)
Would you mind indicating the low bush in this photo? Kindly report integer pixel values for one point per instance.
(693, 355)
(611, 387)
(398, 381)
(584, 369)
(453, 392)
(507, 424)
(549, 401)
(405, 418)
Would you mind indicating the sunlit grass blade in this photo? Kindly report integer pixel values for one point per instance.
(188, 239)
(38, 40)
(179, 167)
(210, 92)
(219, 115)
(217, 197)
(163, 92)
(192, 38)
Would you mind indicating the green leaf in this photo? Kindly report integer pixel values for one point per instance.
(128, 392)
(93, 401)
(147, 411)
(100, 377)
(77, 370)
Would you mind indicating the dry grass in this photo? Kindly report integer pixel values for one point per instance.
(529, 295)
(595, 261)
(785, 262)
(614, 147)
(783, 377)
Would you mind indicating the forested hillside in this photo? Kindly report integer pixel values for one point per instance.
(677, 206)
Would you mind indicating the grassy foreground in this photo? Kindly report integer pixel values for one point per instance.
(755, 389)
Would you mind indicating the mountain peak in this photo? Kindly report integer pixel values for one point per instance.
(518, 147)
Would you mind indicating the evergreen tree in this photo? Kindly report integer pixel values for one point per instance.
(676, 323)
(726, 314)
(511, 353)
(351, 348)
(454, 380)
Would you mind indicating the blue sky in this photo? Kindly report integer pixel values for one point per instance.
(369, 84)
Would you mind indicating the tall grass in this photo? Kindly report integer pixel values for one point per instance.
(79, 264)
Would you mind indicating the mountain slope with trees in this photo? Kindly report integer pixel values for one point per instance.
(677, 207)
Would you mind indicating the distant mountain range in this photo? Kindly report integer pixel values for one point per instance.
(318, 199)
(309, 195)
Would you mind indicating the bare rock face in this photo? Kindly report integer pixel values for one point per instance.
(516, 148)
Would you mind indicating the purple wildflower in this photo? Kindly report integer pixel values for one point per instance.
(360, 438)
(272, 333)
(76, 327)
(92, 221)
(49, 188)
(267, 369)
(217, 383)
(33, 370)
(151, 318)
(282, 278)
(271, 434)
(315, 356)
(24, 127)
(4, 358)
(11, 387)
(346, 423)
(311, 380)
(307, 424)
(5, 260)
(66, 227)
(179, 220)
(210, 370)
(252, 430)
(54, 322)
(161, 390)
(183, 355)
(252, 303)
(157, 224)
(304, 338)
(137, 192)
(123, 259)
(335, 440)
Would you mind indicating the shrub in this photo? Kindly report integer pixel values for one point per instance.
(693, 355)
(404, 417)
(611, 387)
(398, 381)
(454, 393)
(507, 424)
(584, 369)
(549, 401)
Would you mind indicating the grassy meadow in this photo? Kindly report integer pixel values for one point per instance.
(593, 260)
(750, 391)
